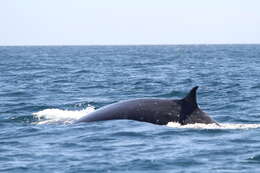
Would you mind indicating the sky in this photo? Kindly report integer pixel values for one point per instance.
(127, 22)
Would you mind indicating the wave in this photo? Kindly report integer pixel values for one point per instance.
(214, 126)
(48, 116)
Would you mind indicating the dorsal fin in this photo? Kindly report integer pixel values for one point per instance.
(192, 97)
(188, 105)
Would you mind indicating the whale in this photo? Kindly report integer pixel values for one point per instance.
(153, 110)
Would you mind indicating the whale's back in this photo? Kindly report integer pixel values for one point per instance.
(157, 111)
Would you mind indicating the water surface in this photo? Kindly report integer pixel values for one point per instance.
(44, 89)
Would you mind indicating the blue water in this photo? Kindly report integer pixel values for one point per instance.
(43, 89)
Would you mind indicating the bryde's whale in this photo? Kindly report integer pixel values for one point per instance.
(156, 111)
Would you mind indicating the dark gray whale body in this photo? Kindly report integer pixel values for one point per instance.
(156, 111)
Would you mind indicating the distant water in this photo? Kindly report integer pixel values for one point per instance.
(44, 89)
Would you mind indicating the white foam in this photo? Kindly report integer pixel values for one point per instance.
(214, 126)
(47, 116)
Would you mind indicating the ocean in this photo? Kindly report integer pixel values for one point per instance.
(44, 89)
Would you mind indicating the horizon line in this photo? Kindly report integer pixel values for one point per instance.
(181, 44)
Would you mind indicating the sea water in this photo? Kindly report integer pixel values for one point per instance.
(44, 89)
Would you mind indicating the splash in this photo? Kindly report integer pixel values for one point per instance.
(48, 116)
(214, 126)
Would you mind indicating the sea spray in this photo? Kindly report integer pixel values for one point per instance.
(61, 116)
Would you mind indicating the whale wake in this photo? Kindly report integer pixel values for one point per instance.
(214, 126)
(50, 116)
